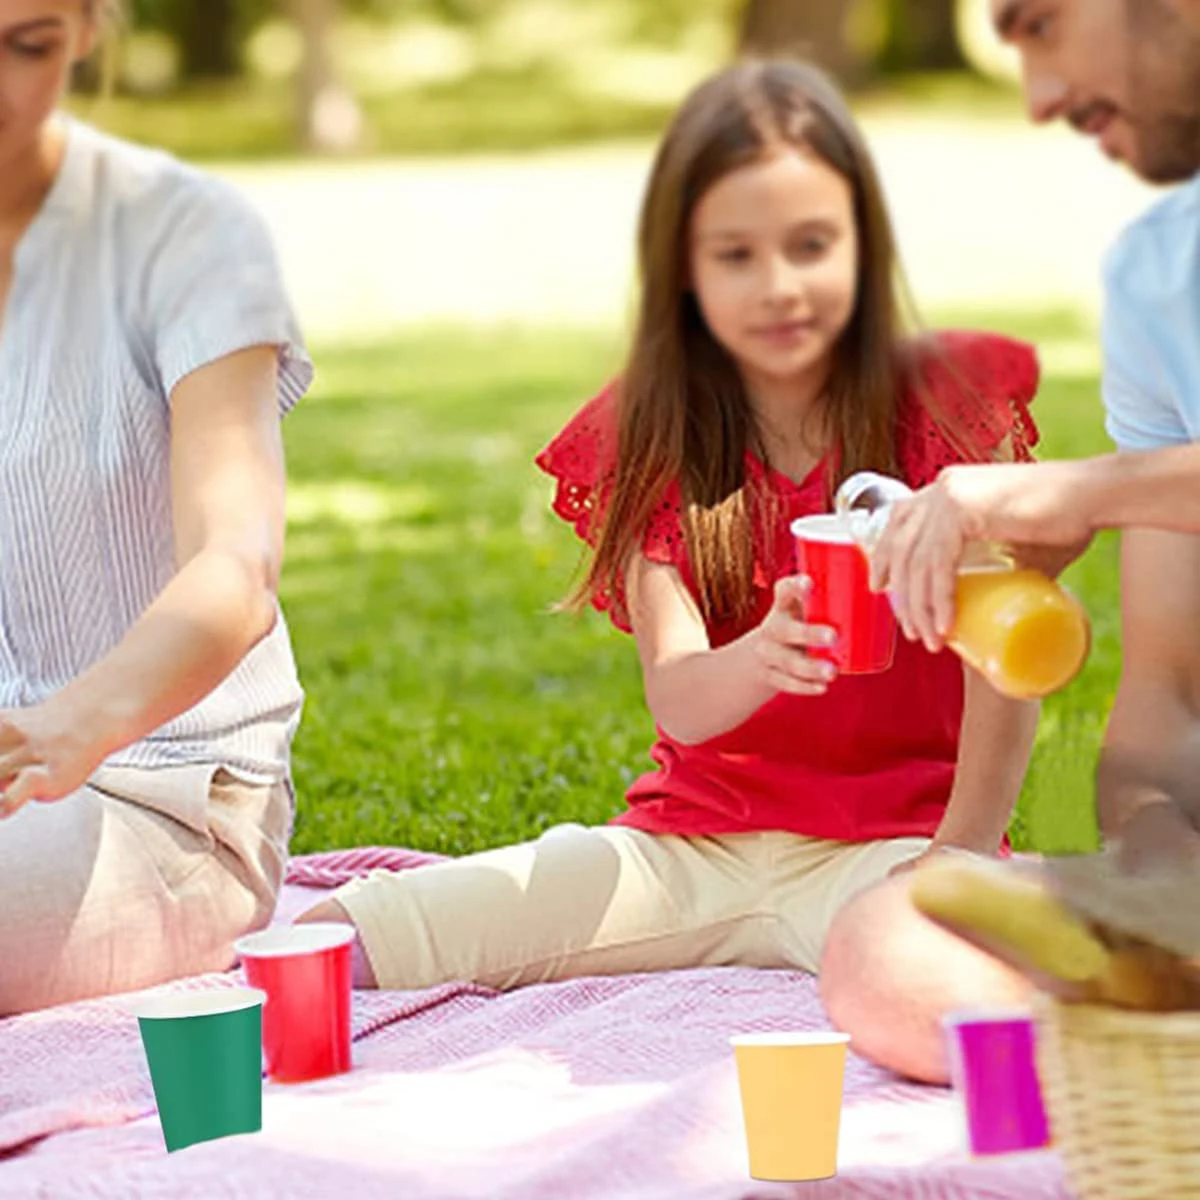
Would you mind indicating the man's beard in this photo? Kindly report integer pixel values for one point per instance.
(1164, 91)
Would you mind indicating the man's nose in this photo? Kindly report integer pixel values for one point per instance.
(1046, 96)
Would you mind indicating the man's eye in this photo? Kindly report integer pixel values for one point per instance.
(1039, 28)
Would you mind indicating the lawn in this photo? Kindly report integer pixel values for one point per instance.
(492, 111)
(448, 707)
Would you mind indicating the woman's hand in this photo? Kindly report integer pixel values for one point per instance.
(45, 754)
(784, 641)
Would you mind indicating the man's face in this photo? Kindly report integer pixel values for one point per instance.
(1126, 72)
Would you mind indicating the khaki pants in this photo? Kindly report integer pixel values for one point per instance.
(139, 877)
(612, 900)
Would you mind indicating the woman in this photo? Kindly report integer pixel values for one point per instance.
(148, 695)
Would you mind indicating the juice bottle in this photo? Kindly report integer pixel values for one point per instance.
(1025, 633)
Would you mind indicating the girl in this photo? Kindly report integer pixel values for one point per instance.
(148, 695)
(768, 364)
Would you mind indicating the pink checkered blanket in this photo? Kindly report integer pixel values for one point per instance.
(604, 1088)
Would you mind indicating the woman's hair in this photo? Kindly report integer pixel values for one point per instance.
(684, 412)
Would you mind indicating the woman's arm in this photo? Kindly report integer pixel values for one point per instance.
(227, 494)
(993, 756)
(695, 692)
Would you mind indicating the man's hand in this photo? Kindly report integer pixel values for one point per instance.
(1025, 505)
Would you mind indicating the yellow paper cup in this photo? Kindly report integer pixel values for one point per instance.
(791, 1085)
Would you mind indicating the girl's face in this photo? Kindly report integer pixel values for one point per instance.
(773, 260)
(40, 40)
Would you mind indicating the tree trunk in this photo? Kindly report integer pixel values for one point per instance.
(208, 38)
(328, 118)
(924, 35)
(815, 29)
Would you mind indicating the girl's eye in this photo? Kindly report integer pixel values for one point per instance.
(812, 247)
(739, 255)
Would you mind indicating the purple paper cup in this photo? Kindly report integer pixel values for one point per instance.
(993, 1069)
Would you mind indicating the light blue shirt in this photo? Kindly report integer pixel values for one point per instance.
(1151, 328)
(136, 272)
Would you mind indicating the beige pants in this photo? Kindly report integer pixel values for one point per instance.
(139, 877)
(612, 900)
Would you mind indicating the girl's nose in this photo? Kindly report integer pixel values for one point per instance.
(784, 280)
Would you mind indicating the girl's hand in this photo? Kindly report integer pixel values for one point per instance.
(784, 641)
(45, 754)
(936, 850)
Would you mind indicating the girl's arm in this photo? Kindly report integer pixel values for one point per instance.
(695, 692)
(993, 755)
(227, 493)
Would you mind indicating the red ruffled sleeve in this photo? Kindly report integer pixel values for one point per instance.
(979, 386)
(582, 460)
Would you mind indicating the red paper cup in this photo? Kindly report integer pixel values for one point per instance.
(994, 1070)
(305, 971)
(841, 597)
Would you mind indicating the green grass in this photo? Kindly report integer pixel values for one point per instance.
(448, 708)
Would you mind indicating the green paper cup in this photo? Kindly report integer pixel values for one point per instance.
(204, 1050)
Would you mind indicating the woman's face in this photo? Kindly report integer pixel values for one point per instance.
(40, 41)
(774, 265)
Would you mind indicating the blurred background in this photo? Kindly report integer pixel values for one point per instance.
(523, 128)
(453, 186)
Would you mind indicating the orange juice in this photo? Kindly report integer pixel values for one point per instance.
(1019, 629)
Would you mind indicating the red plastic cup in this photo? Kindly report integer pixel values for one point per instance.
(305, 971)
(994, 1070)
(841, 597)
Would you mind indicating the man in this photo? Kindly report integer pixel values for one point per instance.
(1126, 72)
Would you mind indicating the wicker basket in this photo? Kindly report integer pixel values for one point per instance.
(1122, 1092)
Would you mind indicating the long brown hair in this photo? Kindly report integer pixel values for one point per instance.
(684, 412)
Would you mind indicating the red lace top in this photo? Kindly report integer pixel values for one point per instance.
(875, 756)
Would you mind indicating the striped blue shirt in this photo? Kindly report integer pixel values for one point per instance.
(137, 271)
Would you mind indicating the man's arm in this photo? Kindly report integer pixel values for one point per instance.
(1155, 720)
(1054, 507)
(1149, 381)
(1157, 489)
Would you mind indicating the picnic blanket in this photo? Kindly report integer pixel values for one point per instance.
(604, 1088)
